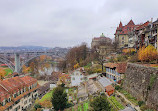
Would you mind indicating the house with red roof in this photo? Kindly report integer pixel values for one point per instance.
(64, 78)
(17, 93)
(121, 34)
(136, 36)
(115, 71)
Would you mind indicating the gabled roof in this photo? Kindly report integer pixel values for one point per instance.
(120, 25)
(131, 22)
(125, 29)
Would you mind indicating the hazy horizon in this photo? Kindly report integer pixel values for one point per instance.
(67, 23)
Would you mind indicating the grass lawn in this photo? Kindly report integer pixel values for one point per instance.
(47, 96)
(85, 106)
(81, 107)
(116, 103)
(8, 71)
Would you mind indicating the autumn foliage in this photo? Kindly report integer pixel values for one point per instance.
(25, 69)
(147, 54)
(2, 73)
(46, 104)
(76, 66)
(129, 51)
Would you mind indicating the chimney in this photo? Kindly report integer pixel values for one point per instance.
(151, 20)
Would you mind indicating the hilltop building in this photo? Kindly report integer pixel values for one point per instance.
(100, 41)
(103, 45)
(121, 34)
(17, 93)
(136, 36)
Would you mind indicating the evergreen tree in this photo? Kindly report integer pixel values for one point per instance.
(59, 98)
(100, 103)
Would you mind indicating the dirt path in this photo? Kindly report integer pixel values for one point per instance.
(134, 106)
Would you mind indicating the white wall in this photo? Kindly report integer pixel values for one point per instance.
(76, 78)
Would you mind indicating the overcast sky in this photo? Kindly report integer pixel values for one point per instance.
(67, 23)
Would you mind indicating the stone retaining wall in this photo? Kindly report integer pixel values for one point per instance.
(142, 83)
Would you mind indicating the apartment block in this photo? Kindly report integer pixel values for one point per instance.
(18, 93)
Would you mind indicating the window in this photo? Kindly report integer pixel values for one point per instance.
(122, 38)
(9, 99)
(14, 95)
(25, 102)
(122, 42)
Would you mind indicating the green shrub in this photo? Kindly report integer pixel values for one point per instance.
(152, 80)
(36, 106)
(149, 110)
(117, 87)
(140, 103)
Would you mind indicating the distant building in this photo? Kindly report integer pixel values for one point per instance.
(98, 41)
(115, 71)
(17, 93)
(78, 76)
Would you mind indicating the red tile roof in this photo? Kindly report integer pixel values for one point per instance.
(125, 29)
(3, 94)
(143, 25)
(12, 85)
(28, 80)
(67, 76)
(109, 88)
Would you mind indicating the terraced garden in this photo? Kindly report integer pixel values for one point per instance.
(81, 107)
(117, 105)
(129, 97)
(47, 96)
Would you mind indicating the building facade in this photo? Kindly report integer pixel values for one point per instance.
(136, 36)
(115, 71)
(100, 41)
(122, 33)
(78, 76)
(17, 93)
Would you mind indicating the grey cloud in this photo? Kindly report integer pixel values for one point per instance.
(67, 22)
